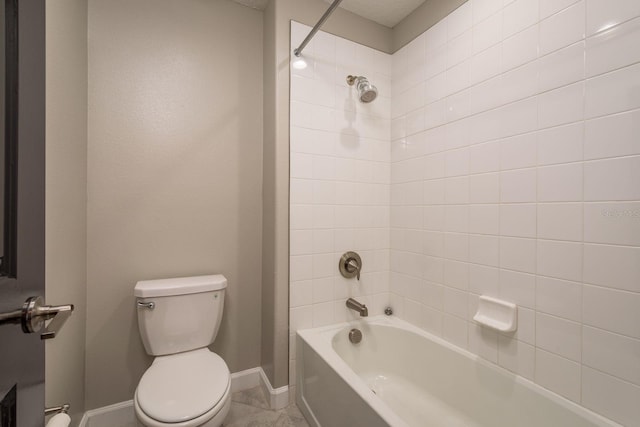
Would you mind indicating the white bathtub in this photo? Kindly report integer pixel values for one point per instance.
(400, 375)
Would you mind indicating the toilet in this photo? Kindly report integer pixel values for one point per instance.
(187, 385)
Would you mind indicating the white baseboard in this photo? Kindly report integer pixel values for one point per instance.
(244, 380)
(122, 414)
(119, 414)
(279, 397)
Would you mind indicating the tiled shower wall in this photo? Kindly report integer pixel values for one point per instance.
(340, 182)
(515, 173)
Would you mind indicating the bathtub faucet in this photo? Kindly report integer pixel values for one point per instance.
(356, 306)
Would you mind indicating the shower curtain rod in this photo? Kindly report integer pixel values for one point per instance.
(315, 29)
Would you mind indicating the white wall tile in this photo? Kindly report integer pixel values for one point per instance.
(485, 126)
(562, 29)
(519, 117)
(301, 317)
(487, 33)
(561, 67)
(486, 64)
(456, 274)
(456, 246)
(613, 49)
(459, 105)
(301, 216)
(520, 48)
(518, 186)
(484, 219)
(300, 293)
(301, 242)
(614, 223)
(562, 144)
(455, 302)
(550, 7)
(562, 183)
(518, 152)
(455, 330)
(516, 356)
(457, 162)
(520, 83)
(610, 396)
(484, 157)
(611, 353)
(612, 266)
(518, 254)
(459, 48)
(558, 374)
(484, 250)
(459, 21)
(526, 325)
(322, 289)
(484, 188)
(456, 190)
(612, 136)
(560, 106)
(611, 310)
(562, 260)
(518, 220)
(559, 336)
(518, 15)
(483, 9)
(609, 93)
(459, 77)
(436, 61)
(604, 14)
(483, 342)
(560, 221)
(612, 179)
(559, 298)
(520, 288)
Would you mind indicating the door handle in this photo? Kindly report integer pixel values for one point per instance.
(33, 315)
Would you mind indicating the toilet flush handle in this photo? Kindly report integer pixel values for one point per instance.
(150, 305)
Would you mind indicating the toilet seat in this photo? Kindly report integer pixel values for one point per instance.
(183, 389)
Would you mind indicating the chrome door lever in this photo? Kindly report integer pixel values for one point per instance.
(34, 314)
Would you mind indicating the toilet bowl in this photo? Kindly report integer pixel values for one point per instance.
(187, 385)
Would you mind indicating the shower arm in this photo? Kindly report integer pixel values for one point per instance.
(314, 30)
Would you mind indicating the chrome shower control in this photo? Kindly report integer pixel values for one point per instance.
(350, 265)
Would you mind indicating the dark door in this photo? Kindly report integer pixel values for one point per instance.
(22, 207)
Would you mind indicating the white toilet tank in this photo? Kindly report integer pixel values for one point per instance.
(181, 314)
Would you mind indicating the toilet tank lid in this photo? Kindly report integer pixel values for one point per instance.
(180, 286)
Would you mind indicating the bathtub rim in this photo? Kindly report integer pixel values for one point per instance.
(320, 340)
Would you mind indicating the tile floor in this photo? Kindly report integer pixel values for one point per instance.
(249, 408)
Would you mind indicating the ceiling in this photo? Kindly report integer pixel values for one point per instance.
(385, 12)
(254, 4)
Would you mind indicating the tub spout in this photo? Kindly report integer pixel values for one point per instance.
(359, 307)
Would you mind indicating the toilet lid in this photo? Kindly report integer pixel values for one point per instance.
(183, 386)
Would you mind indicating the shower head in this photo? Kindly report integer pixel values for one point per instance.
(366, 91)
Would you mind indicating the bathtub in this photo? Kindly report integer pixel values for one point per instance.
(401, 376)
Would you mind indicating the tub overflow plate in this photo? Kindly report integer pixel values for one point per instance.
(355, 336)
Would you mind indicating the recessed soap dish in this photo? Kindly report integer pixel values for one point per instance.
(497, 314)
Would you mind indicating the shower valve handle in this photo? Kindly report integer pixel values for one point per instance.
(350, 265)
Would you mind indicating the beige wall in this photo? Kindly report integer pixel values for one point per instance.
(421, 19)
(275, 288)
(66, 196)
(174, 172)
